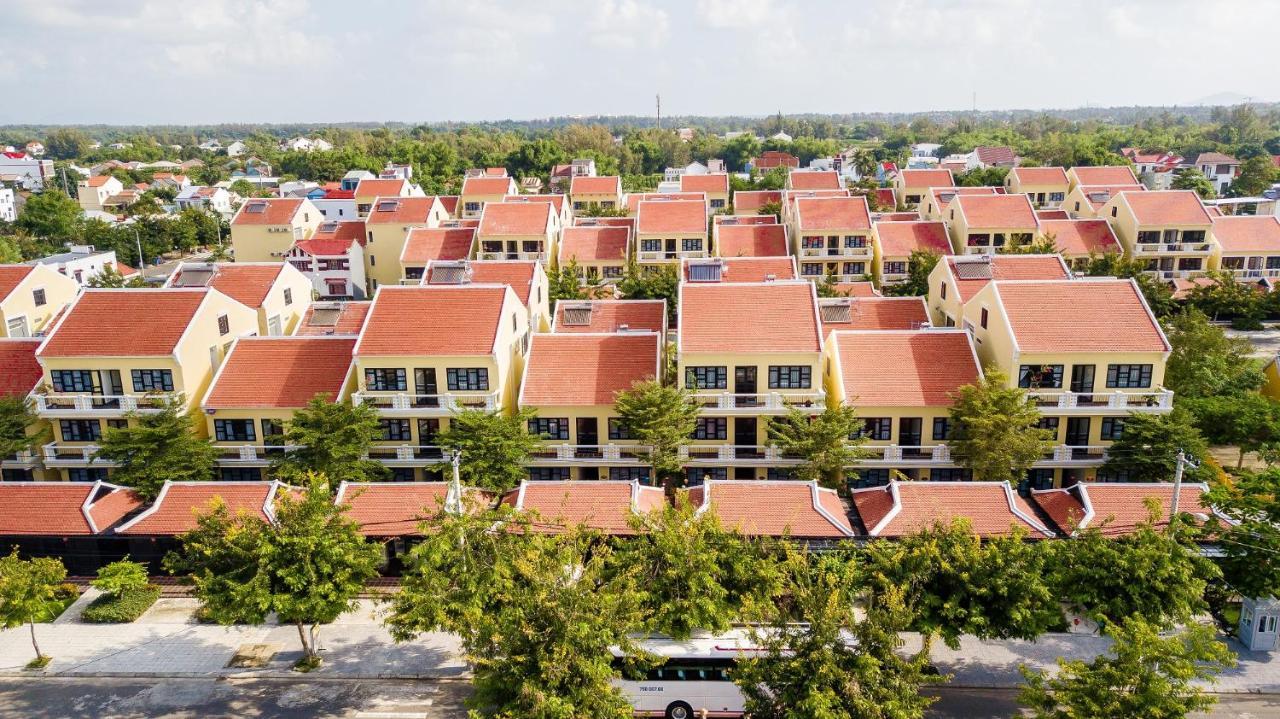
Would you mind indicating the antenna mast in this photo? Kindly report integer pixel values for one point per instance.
(659, 99)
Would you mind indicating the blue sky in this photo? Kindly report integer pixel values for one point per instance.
(169, 61)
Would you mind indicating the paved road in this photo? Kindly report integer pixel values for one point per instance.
(63, 698)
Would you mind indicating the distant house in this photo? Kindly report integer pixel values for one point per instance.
(1155, 169)
(211, 146)
(214, 199)
(80, 262)
(35, 149)
(236, 149)
(774, 158)
(305, 144)
(1221, 169)
(984, 157)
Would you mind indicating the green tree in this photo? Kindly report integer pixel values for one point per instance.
(1189, 178)
(740, 150)
(982, 177)
(1145, 676)
(1045, 245)
(52, 217)
(307, 566)
(995, 430)
(919, 266)
(243, 188)
(17, 420)
(1250, 422)
(66, 143)
(1257, 175)
(1147, 449)
(1250, 543)
(157, 447)
(1204, 361)
(827, 442)
(565, 283)
(109, 277)
(770, 208)
(820, 660)
(1227, 299)
(27, 589)
(828, 286)
(495, 447)
(119, 577)
(332, 439)
(10, 250)
(649, 283)
(660, 418)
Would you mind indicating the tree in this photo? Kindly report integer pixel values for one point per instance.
(1250, 422)
(495, 447)
(1147, 449)
(770, 208)
(1046, 245)
(51, 216)
(156, 447)
(995, 430)
(565, 283)
(332, 439)
(828, 442)
(1249, 544)
(119, 577)
(660, 418)
(17, 419)
(983, 177)
(109, 277)
(956, 583)
(243, 188)
(649, 283)
(1204, 361)
(1189, 178)
(1147, 676)
(919, 266)
(693, 574)
(10, 251)
(1226, 298)
(27, 589)
(66, 143)
(828, 286)
(1257, 175)
(307, 566)
(819, 660)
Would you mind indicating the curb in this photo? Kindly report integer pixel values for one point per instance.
(289, 675)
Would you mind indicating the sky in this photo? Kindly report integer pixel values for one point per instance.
(212, 61)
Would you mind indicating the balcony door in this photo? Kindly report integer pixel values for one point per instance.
(744, 383)
(910, 434)
(588, 437)
(1078, 436)
(425, 387)
(669, 248)
(744, 437)
(1082, 382)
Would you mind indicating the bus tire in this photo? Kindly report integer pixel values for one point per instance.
(679, 710)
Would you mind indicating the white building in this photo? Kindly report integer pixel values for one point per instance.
(333, 260)
(80, 262)
(8, 208)
(1219, 168)
(35, 149)
(305, 144)
(236, 149)
(25, 171)
(925, 149)
(210, 146)
(213, 199)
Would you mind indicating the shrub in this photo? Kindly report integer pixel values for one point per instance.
(121, 608)
(120, 577)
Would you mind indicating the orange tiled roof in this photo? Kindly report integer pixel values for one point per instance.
(515, 218)
(874, 313)
(833, 213)
(1040, 175)
(710, 183)
(902, 508)
(752, 240)
(276, 211)
(379, 187)
(248, 284)
(1117, 508)
(674, 216)
(575, 369)
(920, 179)
(857, 289)
(1244, 233)
(281, 372)
(105, 323)
(1007, 267)
(11, 276)
(406, 211)
(392, 509)
(348, 231)
(944, 195)
(900, 239)
(775, 508)
(516, 274)
(765, 317)
(1043, 215)
(556, 201)
(179, 503)
(1081, 237)
(349, 320)
(634, 199)
(606, 185)
(612, 315)
(748, 269)
(814, 180)
(425, 244)
(594, 244)
(63, 508)
(1171, 207)
(996, 212)
(432, 321)
(605, 505)
(21, 370)
(1080, 316)
(97, 181)
(1105, 175)
(921, 368)
(486, 186)
(753, 200)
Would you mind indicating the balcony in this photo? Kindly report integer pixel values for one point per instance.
(1176, 274)
(250, 455)
(407, 455)
(664, 256)
(398, 404)
(79, 455)
(1065, 455)
(890, 278)
(1252, 274)
(893, 455)
(1099, 403)
(621, 455)
(726, 403)
(1170, 248)
(55, 405)
(743, 455)
(21, 460)
(523, 256)
(850, 253)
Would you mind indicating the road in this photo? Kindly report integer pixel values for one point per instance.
(64, 698)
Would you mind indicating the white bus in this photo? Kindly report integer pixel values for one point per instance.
(694, 680)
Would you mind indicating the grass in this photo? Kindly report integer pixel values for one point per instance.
(307, 664)
(122, 608)
(39, 662)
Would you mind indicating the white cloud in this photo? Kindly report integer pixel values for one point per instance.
(627, 24)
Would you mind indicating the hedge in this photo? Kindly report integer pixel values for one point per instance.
(128, 606)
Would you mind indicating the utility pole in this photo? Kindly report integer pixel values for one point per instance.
(142, 264)
(1183, 462)
(659, 99)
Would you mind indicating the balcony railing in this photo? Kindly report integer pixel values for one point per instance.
(250, 455)
(79, 455)
(768, 402)
(664, 256)
(1102, 402)
(906, 455)
(858, 253)
(737, 454)
(1254, 274)
(67, 404)
(524, 256)
(589, 454)
(24, 459)
(402, 404)
(1170, 248)
(407, 455)
(1072, 455)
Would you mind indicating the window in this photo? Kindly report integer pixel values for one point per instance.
(942, 290)
(614, 272)
(706, 377)
(224, 325)
(373, 260)
(288, 296)
(1047, 376)
(812, 243)
(1112, 428)
(717, 204)
(467, 380)
(234, 430)
(651, 245)
(854, 268)
(38, 297)
(80, 430)
(72, 380)
(550, 427)
(1113, 211)
(548, 474)
(855, 242)
(811, 270)
(117, 424)
(629, 474)
(941, 428)
(950, 474)
(1051, 424)
(790, 377)
(711, 428)
(880, 428)
(272, 431)
(618, 430)
(385, 379)
(895, 268)
(691, 245)
(240, 474)
(152, 380)
(983, 319)
(471, 206)
(84, 474)
(1057, 197)
(1128, 375)
(395, 430)
(1273, 263)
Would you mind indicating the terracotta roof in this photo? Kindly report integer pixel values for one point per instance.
(573, 369)
(872, 313)
(975, 272)
(378, 187)
(711, 183)
(921, 368)
(814, 180)
(1215, 158)
(406, 211)
(392, 509)
(833, 213)
(751, 240)
(901, 508)
(898, 217)
(884, 195)
(1105, 175)
(943, 195)
(281, 372)
(97, 181)
(11, 276)
(246, 283)
(274, 211)
(325, 248)
(594, 244)
(1182, 287)
(1080, 316)
(753, 200)
(627, 222)
(330, 318)
(674, 216)
(775, 508)
(1081, 237)
(350, 231)
(920, 179)
(746, 269)
(556, 201)
(996, 212)
(432, 321)
(765, 317)
(610, 315)
(179, 503)
(1043, 215)
(515, 218)
(1245, 233)
(21, 370)
(516, 274)
(900, 239)
(1117, 508)
(1214, 212)
(634, 199)
(1171, 207)
(606, 185)
(857, 289)
(605, 505)
(1099, 195)
(1040, 175)
(450, 203)
(486, 186)
(105, 323)
(62, 509)
(424, 244)
(997, 155)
